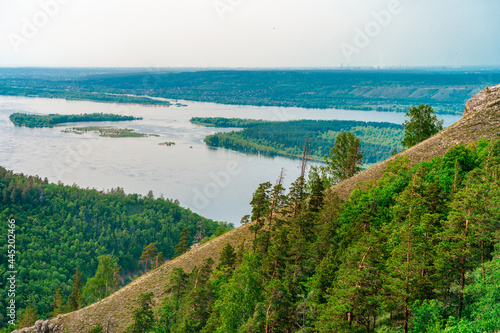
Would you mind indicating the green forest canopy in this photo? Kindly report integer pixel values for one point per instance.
(33, 120)
(287, 138)
(62, 228)
(416, 252)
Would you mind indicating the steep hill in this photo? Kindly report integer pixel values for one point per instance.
(481, 120)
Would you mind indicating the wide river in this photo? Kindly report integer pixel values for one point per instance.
(216, 183)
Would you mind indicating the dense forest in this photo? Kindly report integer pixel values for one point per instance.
(287, 138)
(382, 90)
(415, 252)
(61, 229)
(33, 120)
(63, 93)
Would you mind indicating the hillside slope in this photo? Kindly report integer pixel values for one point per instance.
(481, 120)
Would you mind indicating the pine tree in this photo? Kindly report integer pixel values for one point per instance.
(149, 253)
(183, 245)
(227, 260)
(345, 157)
(58, 303)
(316, 188)
(75, 298)
(198, 301)
(468, 230)
(28, 317)
(411, 259)
(158, 260)
(260, 208)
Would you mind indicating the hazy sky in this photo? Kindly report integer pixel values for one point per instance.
(249, 33)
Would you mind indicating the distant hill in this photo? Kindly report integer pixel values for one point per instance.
(382, 90)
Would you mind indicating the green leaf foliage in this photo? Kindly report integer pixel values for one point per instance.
(62, 229)
(287, 138)
(413, 252)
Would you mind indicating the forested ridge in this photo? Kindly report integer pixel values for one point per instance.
(50, 120)
(382, 90)
(415, 252)
(286, 138)
(60, 229)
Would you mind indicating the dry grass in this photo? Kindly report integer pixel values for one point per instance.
(481, 120)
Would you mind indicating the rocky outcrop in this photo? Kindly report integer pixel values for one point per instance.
(42, 326)
(487, 98)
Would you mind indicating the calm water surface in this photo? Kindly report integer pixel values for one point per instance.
(216, 183)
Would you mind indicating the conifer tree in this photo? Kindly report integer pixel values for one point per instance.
(468, 230)
(198, 301)
(183, 245)
(227, 259)
(410, 259)
(28, 317)
(149, 253)
(345, 157)
(58, 303)
(75, 298)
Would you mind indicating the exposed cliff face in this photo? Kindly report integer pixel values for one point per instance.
(481, 120)
(488, 98)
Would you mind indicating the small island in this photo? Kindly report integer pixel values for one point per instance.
(108, 131)
(51, 120)
(168, 143)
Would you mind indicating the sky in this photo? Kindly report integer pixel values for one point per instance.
(249, 33)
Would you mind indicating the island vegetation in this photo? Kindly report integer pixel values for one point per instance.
(287, 138)
(108, 131)
(51, 120)
(74, 95)
(168, 143)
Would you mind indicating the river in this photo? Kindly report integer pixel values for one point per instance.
(216, 183)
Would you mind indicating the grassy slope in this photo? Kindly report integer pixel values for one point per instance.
(481, 120)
